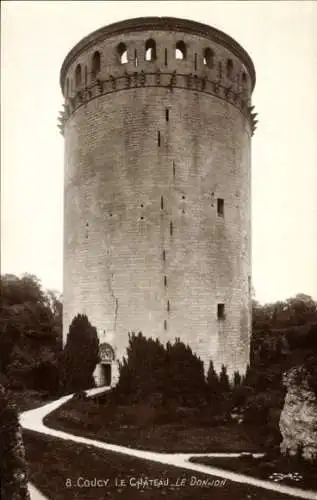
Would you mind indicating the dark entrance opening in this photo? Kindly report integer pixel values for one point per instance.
(106, 373)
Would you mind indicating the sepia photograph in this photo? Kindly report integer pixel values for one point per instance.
(158, 312)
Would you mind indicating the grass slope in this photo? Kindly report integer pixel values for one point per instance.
(264, 468)
(140, 427)
(52, 461)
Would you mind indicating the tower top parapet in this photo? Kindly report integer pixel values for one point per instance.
(159, 24)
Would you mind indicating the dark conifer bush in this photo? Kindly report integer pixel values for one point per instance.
(143, 370)
(152, 372)
(236, 379)
(224, 380)
(186, 379)
(80, 356)
(213, 383)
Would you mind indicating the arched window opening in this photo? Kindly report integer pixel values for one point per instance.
(229, 68)
(209, 56)
(180, 51)
(95, 65)
(86, 76)
(136, 61)
(123, 53)
(165, 57)
(150, 50)
(78, 76)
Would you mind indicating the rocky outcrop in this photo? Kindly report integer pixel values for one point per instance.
(298, 420)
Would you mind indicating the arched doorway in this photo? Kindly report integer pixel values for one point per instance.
(103, 373)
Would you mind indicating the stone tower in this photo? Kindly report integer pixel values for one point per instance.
(157, 123)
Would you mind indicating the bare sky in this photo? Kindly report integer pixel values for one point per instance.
(281, 38)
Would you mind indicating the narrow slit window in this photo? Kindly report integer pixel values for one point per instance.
(78, 76)
(136, 62)
(164, 256)
(229, 68)
(165, 281)
(162, 202)
(171, 228)
(174, 170)
(165, 57)
(220, 207)
(167, 115)
(168, 306)
(159, 139)
(221, 311)
(165, 324)
(249, 284)
(195, 62)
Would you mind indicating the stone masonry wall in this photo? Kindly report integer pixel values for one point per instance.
(145, 249)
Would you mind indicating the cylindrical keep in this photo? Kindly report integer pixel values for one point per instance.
(157, 123)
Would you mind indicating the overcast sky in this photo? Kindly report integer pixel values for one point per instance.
(281, 38)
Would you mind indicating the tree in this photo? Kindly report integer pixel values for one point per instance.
(152, 371)
(224, 380)
(186, 378)
(143, 370)
(30, 328)
(237, 379)
(13, 467)
(213, 383)
(80, 356)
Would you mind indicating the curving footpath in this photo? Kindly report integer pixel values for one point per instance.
(35, 494)
(33, 421)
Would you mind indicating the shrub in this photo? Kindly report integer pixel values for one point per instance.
(186, 378)
(80, 356)
(237, 379)
(213, 383)
(224, 380)
(13, 467)
(144, 370)
(160, 374)
(80, 395)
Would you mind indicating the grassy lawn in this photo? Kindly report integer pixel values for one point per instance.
(263, 468)
(52, 461)
(144, 427)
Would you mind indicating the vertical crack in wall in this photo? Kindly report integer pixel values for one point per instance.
(116, 300)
